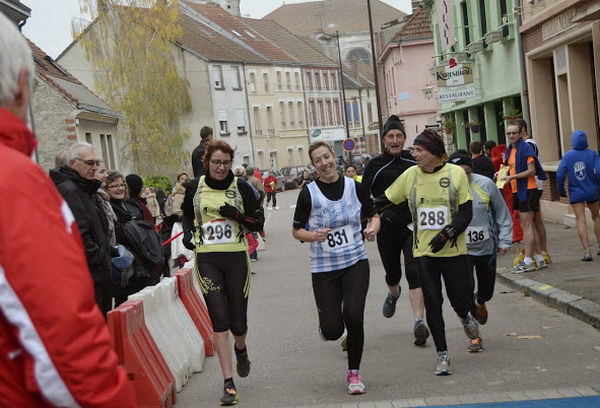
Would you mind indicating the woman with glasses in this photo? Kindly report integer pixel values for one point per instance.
(218, 210)
(395, 236)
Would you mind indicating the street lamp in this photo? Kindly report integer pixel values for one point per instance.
(375, 74)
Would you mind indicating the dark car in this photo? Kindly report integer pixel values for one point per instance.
(278, 176)
(293, 175)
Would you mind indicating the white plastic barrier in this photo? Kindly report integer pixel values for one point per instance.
(158, 326)
(186, 333)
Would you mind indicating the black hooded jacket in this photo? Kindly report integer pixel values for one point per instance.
(80, 195)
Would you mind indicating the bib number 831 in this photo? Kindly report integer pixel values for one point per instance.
(337, 238)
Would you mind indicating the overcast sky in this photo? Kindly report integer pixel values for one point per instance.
(50, 24)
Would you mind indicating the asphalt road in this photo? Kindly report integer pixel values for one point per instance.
(292, 367)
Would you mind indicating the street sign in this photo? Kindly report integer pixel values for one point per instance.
(349, 144)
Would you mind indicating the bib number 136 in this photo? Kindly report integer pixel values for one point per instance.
(434, 218)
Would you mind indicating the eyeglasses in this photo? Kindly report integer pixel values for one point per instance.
(90, 163)
(117, 186)
(219, 163)
(512, 133)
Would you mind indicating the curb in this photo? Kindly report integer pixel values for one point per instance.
(573, 305)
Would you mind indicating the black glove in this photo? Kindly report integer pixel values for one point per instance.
(438, 242)
(188, 233)
(229, 211)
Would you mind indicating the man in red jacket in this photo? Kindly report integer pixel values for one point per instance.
(54, 344)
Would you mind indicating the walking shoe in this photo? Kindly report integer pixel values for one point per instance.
(243, 363)
(442, 364)
(523, 267)
(587, 257)
(421, 333)
(230, 396)
(539, 264)
(389, 306)
(344, 343)
(476, 345)
(355, 386)
(481, 314)
(519, 257)
(471, 327)
(547, 258)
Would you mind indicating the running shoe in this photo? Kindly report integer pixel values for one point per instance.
(230, 395)
(389, 306)
(471, 327)
(476, 345)
(243, 363)
(547, 257)
(355, 386)
(421, 333)
(481, 314)
(587, 257)
(523, 267)
(540, 264)
(442, 364)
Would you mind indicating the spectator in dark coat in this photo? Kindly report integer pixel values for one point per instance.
(481, 164)
(161, 197)
(206, 135)
(135, 184)
(76, 183)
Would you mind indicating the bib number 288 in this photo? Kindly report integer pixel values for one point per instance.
(433, 218)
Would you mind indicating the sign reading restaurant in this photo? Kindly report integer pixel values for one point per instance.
(454, 73)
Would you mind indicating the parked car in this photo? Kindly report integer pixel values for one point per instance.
(278, 176)
(293, 175)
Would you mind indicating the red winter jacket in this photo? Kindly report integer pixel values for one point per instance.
(55, 347)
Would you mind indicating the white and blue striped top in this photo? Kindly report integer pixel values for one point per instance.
(344, 246)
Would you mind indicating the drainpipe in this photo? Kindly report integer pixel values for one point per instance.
(523, 73)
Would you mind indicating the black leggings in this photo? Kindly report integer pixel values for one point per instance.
(272, 195)
(391, 242)
(340, 296)
(485, 268)
(225, 275)
(456, 279)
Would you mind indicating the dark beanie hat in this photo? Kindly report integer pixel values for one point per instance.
(393, 122)
(135, 184)
(458, 158)
(431, 142)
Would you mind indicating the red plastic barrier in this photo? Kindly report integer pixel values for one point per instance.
(196, 308)
(153, 381)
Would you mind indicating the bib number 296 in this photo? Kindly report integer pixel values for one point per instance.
(433, 218)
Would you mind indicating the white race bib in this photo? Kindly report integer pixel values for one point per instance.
(432, 218)
(338, 238)
(218, 231)
(477, 234)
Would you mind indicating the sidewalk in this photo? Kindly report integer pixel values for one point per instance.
(568, 284)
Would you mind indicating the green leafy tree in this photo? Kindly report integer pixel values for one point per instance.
(158, 180)
(129, 44)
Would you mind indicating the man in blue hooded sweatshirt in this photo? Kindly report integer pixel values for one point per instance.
(524, 166)
(578, 165)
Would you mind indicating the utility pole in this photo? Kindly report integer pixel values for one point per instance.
(375, 73)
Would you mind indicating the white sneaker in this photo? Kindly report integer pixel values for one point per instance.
(442, 364)
(277, 208)
(355, 385)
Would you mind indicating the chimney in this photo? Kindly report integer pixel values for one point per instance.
(416, 5)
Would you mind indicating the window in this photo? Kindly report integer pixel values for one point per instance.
(282, 113)
(317, 81)
(334, 81)
(252, 82)
(504, 16)
(370, 112)
(288, 80)
(312, 111)
(240, 120)
(103, 147)
(236, 81)
(291, 113)
(309, 81)
(218, 77)
(329, 109)
(326, 81)
(256, 118)
(361, 55)
(111, 153)
(320, 113)
(465, 16)
(483, 21)
(223, 127)
(300, 115)
(336, 114)
(266, 81)
(278, 77)
(297, 80)
(270, 120)
(88, 138)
